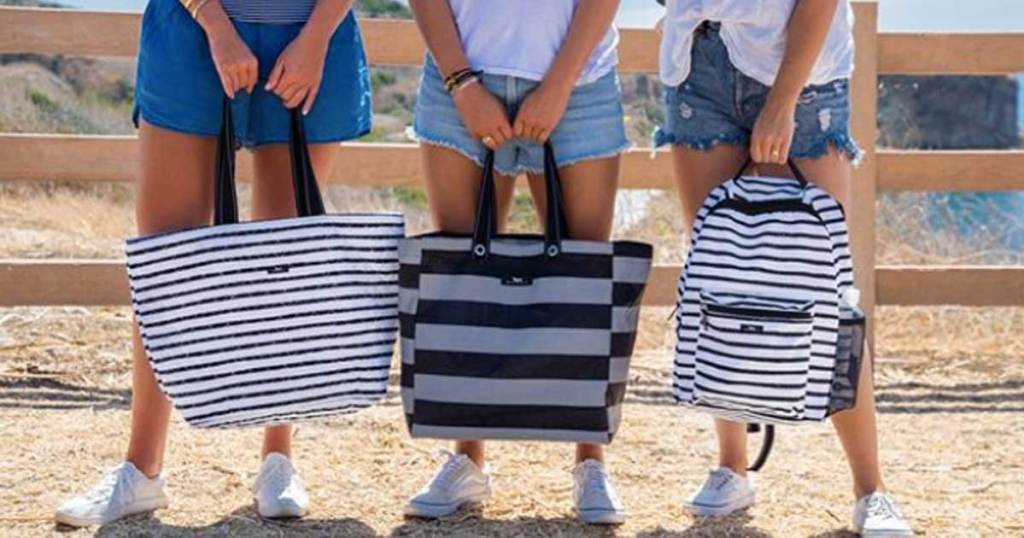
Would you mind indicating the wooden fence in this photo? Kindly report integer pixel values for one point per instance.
(87, 158)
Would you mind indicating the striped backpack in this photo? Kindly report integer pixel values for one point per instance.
(760, 302)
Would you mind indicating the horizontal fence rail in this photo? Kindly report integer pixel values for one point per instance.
(89, 158)
(396, 42)
(104, 283)
(92, 158)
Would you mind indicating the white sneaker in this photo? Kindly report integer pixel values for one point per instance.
(723, 493)
(122, 492)
(876, 516)
(457, 483)
(594, 495)
(278, 490)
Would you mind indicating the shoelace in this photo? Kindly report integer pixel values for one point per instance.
(106, 486)
(594, 477)
(448, 472)
(719, 479)
(880, 506)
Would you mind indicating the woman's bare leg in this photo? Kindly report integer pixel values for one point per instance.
(453, 184)
(698, 172)
(273, 197)
(174, 191)
(589, 190)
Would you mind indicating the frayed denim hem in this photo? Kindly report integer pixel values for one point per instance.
(619, 150)
(415, 136)
(662, 137)
(843, 143)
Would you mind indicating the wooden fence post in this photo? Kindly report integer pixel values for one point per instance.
(864, 123)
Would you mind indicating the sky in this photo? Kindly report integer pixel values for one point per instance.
(948, 15)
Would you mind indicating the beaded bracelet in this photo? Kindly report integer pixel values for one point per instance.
(468, 82)
(455, 80)
(448, 80)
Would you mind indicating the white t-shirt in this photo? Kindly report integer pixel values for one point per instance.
(521, 38)
(754, 32)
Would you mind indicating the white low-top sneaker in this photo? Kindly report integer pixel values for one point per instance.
(122, 492)
(457, 483)
(723, 493)
(877, 516)
(594, 495)
(278, 490)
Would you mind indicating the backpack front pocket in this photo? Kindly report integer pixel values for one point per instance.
(753, 355)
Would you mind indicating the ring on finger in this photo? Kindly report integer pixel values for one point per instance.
(488, 141)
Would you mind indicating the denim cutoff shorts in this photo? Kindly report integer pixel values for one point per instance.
(177, 86)
(719, 104)
(592, 127)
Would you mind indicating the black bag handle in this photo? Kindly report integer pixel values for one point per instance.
(766, 445)
(225, 199)
(556, 226)
(486, 225)
(789, 162)
(308, 201)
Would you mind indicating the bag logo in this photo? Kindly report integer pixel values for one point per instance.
(516, 281)
(751, 328)
(277, 269)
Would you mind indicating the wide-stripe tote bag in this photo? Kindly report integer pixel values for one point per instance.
(265, 322)
(518, 337)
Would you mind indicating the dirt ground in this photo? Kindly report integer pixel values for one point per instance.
(952, 424)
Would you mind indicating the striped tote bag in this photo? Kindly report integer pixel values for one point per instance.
(759, 311)
(518, 337)
(259, 323)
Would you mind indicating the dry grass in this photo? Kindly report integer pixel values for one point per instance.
(951, 399)
(950, 426)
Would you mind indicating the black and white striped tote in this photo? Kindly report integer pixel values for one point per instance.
(518, 337)
(758, 316)
(258, 323)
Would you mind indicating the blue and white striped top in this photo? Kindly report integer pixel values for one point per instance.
(269, 11)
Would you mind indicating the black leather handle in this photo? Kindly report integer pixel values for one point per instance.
(789, 162)
(556, 227)
(225, 199)
(486, 225)
(308, 201)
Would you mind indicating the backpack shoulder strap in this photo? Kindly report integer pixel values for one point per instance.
(834, 218)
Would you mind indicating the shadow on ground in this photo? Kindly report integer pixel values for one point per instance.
(53, 393)
(736, 525)
(243, 521)
(915, 398)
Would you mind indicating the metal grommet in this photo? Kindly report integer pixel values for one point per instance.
(480, 250)
(553, 251)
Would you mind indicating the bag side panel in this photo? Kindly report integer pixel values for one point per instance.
(409, 256)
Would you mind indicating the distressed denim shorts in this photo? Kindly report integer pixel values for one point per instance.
(592, 127)
(177, 86)
(719, 104)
